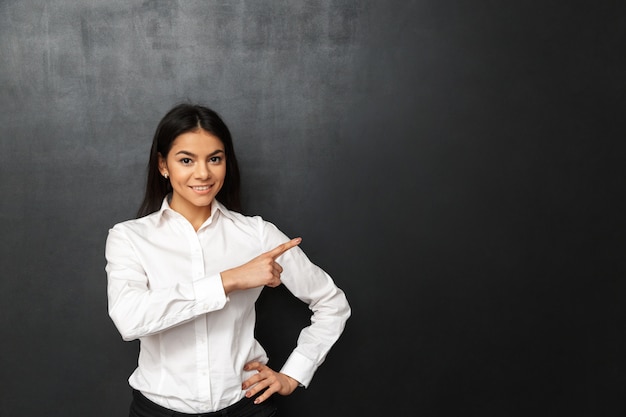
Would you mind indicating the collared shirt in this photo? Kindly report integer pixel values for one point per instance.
(165, 289)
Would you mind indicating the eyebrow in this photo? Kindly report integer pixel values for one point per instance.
(183, 152)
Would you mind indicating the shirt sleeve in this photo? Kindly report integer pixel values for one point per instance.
(328, 303)
(136, 309)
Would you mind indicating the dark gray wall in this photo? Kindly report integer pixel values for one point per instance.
(458, 167)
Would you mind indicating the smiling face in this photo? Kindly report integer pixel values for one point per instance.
(196, 167)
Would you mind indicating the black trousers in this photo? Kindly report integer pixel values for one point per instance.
(143, 407)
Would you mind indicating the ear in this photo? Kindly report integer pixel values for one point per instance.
(162, 164)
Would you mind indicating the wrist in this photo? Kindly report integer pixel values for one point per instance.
(228, 281)
(293, 384)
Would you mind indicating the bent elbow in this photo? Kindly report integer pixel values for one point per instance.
(122, 325)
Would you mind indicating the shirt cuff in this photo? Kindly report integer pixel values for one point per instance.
(210, 293)
(299, 368)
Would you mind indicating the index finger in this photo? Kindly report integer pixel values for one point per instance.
(284, 247)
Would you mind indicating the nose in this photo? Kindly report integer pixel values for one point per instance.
(202, 171)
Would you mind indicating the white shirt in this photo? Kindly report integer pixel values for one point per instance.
(165, 289)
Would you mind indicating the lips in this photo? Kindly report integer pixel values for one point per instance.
(201, 188)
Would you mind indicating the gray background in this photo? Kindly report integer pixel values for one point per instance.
(456, 166)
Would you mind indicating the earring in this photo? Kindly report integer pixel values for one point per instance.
(166, 175)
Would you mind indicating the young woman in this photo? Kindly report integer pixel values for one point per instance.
(184, 276)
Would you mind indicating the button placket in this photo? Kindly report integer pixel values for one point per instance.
(197, 259)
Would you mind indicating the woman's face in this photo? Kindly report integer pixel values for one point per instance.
(196, 166)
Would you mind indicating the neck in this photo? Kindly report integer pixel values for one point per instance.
(194, 214)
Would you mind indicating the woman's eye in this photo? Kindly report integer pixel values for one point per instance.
(216, 159)
(186, 161)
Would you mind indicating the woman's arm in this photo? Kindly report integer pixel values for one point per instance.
(260, 271)
(138, 310)
(327, 302)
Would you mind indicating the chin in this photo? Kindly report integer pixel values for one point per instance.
(205, 201)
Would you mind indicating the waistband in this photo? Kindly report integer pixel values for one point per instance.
(231, 410)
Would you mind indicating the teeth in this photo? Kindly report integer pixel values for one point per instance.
(201, 188)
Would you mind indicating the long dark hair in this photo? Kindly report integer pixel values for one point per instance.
(181, 119)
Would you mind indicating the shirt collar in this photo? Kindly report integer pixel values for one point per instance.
(215, 207)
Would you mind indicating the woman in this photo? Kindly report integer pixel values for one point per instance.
(184, 276)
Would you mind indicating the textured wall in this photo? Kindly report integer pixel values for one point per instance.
(458, 167)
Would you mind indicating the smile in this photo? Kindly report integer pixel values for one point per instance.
(202, 188)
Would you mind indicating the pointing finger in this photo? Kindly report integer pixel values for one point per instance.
(282, 248)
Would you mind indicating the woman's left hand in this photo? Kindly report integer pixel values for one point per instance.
(266, 377)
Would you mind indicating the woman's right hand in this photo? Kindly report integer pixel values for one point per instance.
(260, 271)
